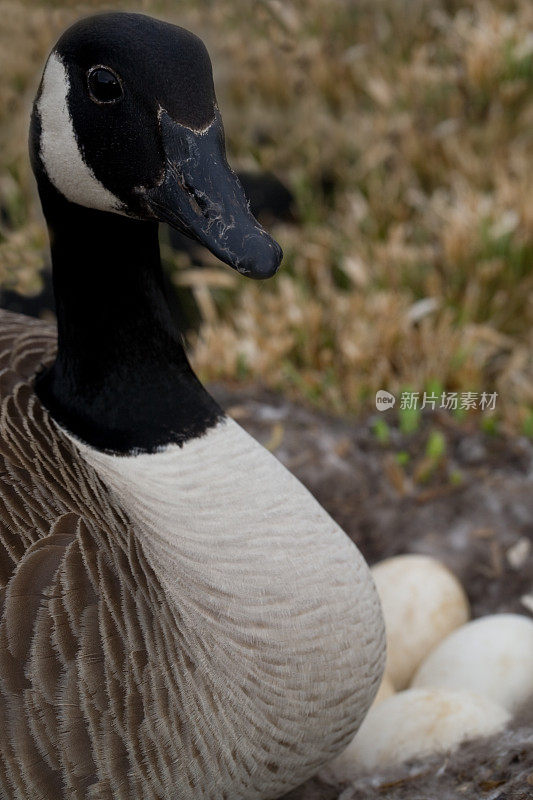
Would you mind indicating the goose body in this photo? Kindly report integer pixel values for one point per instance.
(180, 618)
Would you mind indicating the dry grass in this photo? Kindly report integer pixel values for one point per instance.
(405, 130)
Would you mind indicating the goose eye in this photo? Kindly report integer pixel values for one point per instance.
(104, 85)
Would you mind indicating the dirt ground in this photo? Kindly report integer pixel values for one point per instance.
(472, 508)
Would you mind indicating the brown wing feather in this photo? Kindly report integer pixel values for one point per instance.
(85, 631)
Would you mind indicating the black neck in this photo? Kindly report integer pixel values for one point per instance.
(121, 380)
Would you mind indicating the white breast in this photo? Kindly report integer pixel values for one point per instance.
(280, 600)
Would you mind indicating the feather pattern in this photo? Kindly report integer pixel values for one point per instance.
(137, 660)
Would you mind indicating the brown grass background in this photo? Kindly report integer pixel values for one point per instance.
(404, 128)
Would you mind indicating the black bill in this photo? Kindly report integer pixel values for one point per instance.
(201, 196)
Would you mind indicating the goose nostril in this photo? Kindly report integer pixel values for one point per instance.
(196, 199)
(195, 205)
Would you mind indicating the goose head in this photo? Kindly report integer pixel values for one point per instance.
(126, 122)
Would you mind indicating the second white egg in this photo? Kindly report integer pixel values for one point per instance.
(492, 656)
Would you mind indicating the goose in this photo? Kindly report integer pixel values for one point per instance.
(179, 617)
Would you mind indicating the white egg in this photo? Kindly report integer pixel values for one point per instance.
(422, 603)
(492, 656)
(413, 724)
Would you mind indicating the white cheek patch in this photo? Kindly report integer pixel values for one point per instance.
(59, 148)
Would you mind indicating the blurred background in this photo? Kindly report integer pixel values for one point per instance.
(389, 147)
